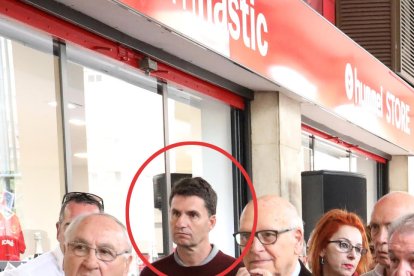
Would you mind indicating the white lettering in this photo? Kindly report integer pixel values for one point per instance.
(234, 25)
(349, 82)
(245, 13)
(7, 242)
(261, 25)
(238, 16)
(397, 113)
(220, 8)
(362, 94)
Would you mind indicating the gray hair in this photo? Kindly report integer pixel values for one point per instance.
(403, 224)
(75, 223)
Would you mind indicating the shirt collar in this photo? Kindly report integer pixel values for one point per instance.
(58, 254)
(297, 269)
(379, 270)
(211, 255)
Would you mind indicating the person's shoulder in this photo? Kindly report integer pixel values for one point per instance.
(223, 261)
(377, 271)
(166, 261)
(304, 271)
(223, 256)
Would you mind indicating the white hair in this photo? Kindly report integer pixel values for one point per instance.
(78, 220)
(403, 224)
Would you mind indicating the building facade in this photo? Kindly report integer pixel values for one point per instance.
(93, 92)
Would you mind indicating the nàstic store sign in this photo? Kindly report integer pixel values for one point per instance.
(290, 44)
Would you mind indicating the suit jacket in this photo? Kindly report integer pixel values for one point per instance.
(303, 270)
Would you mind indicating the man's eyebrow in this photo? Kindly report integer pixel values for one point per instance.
(106, 245)
(80, 240)
(192, 211)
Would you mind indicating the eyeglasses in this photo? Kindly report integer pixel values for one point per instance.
(83, 197)
(346, 247)
(266, 237)
(105, 254)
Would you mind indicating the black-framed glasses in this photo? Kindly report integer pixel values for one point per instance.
(83, 197)
(105, 254)
(346, 247)
(266, 237)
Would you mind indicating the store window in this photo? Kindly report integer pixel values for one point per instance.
(31, 172)
(124, 116)
(86, 122)
(194, 117)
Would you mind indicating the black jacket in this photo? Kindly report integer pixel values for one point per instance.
(303, 270)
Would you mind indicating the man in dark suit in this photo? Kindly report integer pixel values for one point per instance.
(278, 240)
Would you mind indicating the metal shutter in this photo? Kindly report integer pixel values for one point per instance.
(369, 23)
(406, 66)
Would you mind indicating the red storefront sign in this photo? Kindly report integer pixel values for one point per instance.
(289, 43)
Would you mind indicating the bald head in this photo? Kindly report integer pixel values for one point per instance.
(388, 209)
(273, 209)
(394, 205)
(276, 216)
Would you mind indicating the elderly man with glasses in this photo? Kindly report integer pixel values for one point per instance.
(73, 205)
(278, 240)
(96, 244)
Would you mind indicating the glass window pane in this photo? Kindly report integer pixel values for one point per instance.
(328, 156)
(195, 117)
(116, 124)
(31, 174)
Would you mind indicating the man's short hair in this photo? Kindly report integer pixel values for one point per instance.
(196, 186)
(404, 224)
(79, 197)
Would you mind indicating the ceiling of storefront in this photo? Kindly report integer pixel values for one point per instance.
(143, 29)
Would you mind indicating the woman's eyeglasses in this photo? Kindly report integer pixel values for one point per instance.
(346, 247)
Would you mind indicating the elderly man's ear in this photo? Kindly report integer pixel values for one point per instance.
(127, 264)
(298, 234)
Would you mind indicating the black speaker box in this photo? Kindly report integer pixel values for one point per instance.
(160, 186)
(326, 190)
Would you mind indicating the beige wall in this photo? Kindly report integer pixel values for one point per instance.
(276, 146)
(398, 173)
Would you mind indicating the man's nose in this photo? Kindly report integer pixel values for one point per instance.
(257, 246)
(382, 236)
(181, 221)
(91, 261)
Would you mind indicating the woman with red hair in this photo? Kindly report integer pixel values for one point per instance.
(339, 245)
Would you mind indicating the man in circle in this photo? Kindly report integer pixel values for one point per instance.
(193, 205)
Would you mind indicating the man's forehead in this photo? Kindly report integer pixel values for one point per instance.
(387, 213)
(265, 220)
(187, 202)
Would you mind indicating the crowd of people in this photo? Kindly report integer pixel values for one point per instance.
(92, 242)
